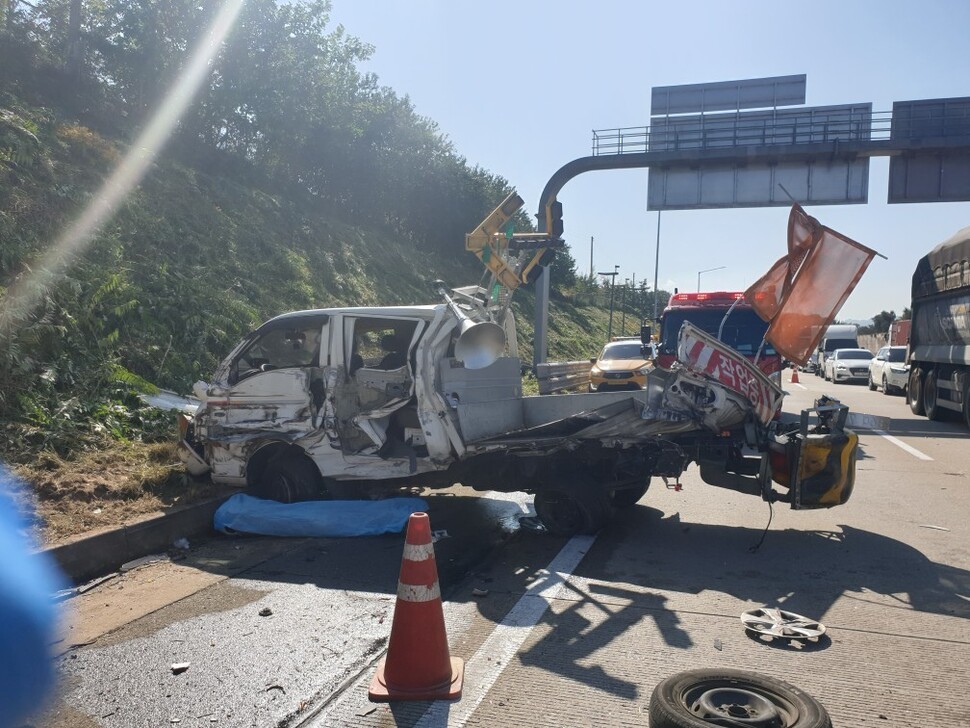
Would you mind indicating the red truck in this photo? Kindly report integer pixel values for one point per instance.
(899, 332)
(726, 316)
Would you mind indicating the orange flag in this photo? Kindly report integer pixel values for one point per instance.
(801, 293)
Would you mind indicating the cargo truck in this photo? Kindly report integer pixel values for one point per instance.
(431, 395)
(939, 338)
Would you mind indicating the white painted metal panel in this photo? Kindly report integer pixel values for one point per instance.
(758, 185)
(752, 93)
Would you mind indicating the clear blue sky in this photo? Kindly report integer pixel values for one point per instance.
(518, 87)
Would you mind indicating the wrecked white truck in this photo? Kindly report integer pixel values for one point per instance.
(432, 396)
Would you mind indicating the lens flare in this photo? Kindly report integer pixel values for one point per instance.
(28, 291)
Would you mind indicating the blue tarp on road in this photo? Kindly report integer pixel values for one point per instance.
(246, 514)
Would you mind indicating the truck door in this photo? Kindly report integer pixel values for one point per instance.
(372, 377)
(275, 381)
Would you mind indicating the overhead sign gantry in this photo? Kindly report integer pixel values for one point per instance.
(749, 143)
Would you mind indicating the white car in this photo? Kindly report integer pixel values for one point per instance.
(889, 370)
(847, 365)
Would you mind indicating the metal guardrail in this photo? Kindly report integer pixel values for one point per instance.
(560, 376)
(721, 131)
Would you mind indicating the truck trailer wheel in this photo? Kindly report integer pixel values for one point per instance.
(699, 698)
(573, 507)
(290, 478)
(930, 393)
(627, 497)
(915, 392)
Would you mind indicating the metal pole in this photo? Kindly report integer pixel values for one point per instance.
(591, 256)
(656, 270)
(613, 275)
(623, 311)
(706, 270)
(609, 334)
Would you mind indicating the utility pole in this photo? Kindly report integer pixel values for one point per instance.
(591, 256)
(656, 269)
(626, 283)
(613, 275)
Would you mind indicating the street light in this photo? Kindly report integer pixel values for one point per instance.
(706, 270)
(613, 275)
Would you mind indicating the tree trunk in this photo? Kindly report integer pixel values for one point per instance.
(74, 55)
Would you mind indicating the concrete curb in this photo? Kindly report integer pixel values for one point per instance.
(100, 553)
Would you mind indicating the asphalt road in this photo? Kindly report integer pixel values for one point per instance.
(573, 632)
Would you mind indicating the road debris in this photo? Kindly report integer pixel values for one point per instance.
(935, 528)
(438, 535)
(182, 544)
(531, 523)
(775, 623)
(265, 612)
(479, 592)
(143, 561)
(179, 667)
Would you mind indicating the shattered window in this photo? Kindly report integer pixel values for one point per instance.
(280, 349)
(381, 343)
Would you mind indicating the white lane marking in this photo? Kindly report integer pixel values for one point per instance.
(485, 666)
(798, 384)
(900, 444)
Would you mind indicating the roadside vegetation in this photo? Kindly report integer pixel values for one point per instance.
(294, 181)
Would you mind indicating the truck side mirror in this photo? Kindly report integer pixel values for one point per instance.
(645, 335)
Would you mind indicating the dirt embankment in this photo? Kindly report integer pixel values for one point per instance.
(104, 488)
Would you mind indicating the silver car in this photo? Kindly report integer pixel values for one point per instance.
(889, 370)
(847, 365)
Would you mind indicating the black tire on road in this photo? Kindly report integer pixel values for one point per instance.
(290, 478)
(872, 384)
(931, 405)
(627, 497)
(885, 385)
(712, 697)
(572, 507)
(915, 393)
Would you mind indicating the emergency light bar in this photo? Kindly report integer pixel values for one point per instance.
(716, 297)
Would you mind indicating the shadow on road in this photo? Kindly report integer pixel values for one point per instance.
(810, 569)
(923, 427)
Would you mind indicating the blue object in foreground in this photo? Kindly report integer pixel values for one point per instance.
(27, 616)
(246, 514)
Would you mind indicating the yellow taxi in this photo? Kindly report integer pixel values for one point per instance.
(621, 365)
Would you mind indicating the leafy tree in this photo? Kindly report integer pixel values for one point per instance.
(562, 270)
(880, 323)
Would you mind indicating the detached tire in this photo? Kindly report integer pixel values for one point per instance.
(573, 507)
(289, 479)
(703, 698)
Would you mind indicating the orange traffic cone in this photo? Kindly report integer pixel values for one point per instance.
(794, 375)
(418, 665)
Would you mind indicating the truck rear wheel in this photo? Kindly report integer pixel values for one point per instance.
(572, 507)
(915, 393)
(627, 497)
(930, 393)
